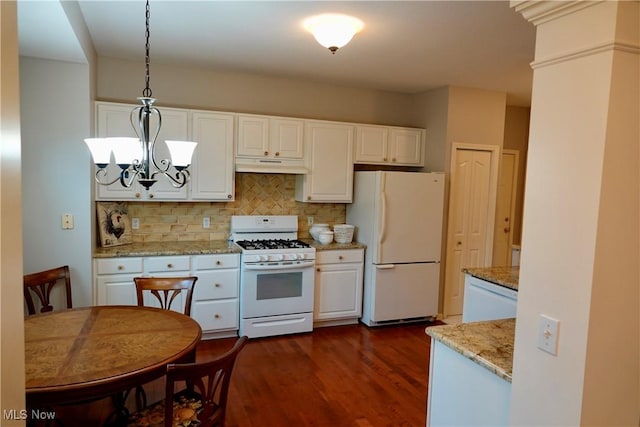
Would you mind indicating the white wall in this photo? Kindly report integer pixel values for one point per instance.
(188, 87)
(57, 178)
(11, 296)
(581, 232)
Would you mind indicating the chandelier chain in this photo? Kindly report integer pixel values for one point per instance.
(147, 90)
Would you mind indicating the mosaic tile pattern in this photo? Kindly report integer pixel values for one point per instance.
(256, 194)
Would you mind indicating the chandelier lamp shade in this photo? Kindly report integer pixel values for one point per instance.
(333, 30)
(136, 157)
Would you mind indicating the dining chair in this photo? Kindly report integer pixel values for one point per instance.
(204, 400)
(40, 284)
(166, 289)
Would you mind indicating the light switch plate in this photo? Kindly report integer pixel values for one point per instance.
(135, 223)
(206, 222)
(548, 334)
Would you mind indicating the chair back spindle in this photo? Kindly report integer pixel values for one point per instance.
(41, 284)
(166, 290)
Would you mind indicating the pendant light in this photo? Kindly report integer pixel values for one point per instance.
(136, 156)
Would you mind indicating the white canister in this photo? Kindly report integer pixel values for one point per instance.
(325, 237)
(316, 229)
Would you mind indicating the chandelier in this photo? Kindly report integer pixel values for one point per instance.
(136, 156)
(333, 30)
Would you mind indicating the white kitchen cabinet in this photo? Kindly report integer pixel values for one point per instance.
(388, 145)
(463, 393)
(215, 303)
(329, 158)
(212, 171)
(113, 280)
(114, 119)
(338, 287)
(269, 137)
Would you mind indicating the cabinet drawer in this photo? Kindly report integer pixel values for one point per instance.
(216, 284)
(118, 265)
(339, 256)
(163, 264)
(208, 262)
(214, 315)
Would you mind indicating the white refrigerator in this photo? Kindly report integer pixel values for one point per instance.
(398, 216)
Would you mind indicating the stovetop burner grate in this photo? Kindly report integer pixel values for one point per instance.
(272, 244)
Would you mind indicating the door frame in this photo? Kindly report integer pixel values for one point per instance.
(495, 152)
(514, 194)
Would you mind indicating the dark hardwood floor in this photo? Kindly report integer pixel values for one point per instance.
(336, 376)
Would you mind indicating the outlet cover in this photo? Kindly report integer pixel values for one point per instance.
(206, 222)
(548, 334)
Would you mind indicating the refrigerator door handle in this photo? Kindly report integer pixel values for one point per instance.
(385, 266)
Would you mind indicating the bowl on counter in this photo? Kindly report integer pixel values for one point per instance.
(325, 237)
(316, 229)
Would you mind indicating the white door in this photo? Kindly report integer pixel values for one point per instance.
(471, 218)
(410, 217)
(505, 208)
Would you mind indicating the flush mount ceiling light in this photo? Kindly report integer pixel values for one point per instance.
(332, 30)
(136, 156)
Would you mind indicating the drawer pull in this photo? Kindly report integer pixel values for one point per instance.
(216, 316)
(218, 262)
(340, 257)
(217, 285)
(317, 269)
(169, 265)
(121, 267)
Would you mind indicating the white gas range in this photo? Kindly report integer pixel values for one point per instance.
(276, 276)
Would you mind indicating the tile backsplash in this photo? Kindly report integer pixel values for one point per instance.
(256, 194)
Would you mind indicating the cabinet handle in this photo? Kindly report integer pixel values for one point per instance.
(266, 153)
(340, 257)
(138, 195)
(318, 270)
(229, 196)
(459, 243)
(393, 160)
(218, 262)
(169, 265)
(277, 153)
(121, 267)
(217, 285)
(151, 196)
(217, 316)
(308, 197)
(384, 159)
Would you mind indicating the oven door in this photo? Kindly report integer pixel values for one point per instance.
(269, 289)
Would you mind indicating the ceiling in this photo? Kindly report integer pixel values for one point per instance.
(406, 46)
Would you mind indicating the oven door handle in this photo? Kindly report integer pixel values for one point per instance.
(308, 264)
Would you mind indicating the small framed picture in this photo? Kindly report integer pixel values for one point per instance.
(113, 223)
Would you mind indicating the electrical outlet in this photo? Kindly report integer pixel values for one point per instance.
(548, 334)
(206, 222)
(67, 222)
(309, 220)
(135, 223)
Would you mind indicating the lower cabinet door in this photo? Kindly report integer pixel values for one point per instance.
(117, 289)
(338, 291)
(216, 314)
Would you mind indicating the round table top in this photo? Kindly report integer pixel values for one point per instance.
(91, 352)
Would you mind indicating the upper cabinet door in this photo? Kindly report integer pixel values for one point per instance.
(269, 137)
(371, 144)
(212, 167)
(253, 136)
(286, 137)
(329, 158)
(406, 146)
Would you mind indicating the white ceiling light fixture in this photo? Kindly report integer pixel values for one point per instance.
(333, 30)
(136, 156)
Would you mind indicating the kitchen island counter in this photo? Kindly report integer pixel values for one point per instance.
(487, 343)
(167, 248)
(504, 276)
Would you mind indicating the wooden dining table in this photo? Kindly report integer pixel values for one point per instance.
(85, 354)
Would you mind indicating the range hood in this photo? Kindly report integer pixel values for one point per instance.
(271, 166)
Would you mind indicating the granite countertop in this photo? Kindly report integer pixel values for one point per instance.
(488, 343)
(167, 248)
(196, 248)
(333, 245)
(505, 276)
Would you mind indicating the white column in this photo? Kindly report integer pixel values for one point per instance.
(581, 237)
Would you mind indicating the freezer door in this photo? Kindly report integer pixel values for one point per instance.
(409, 217)
(405, 291)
